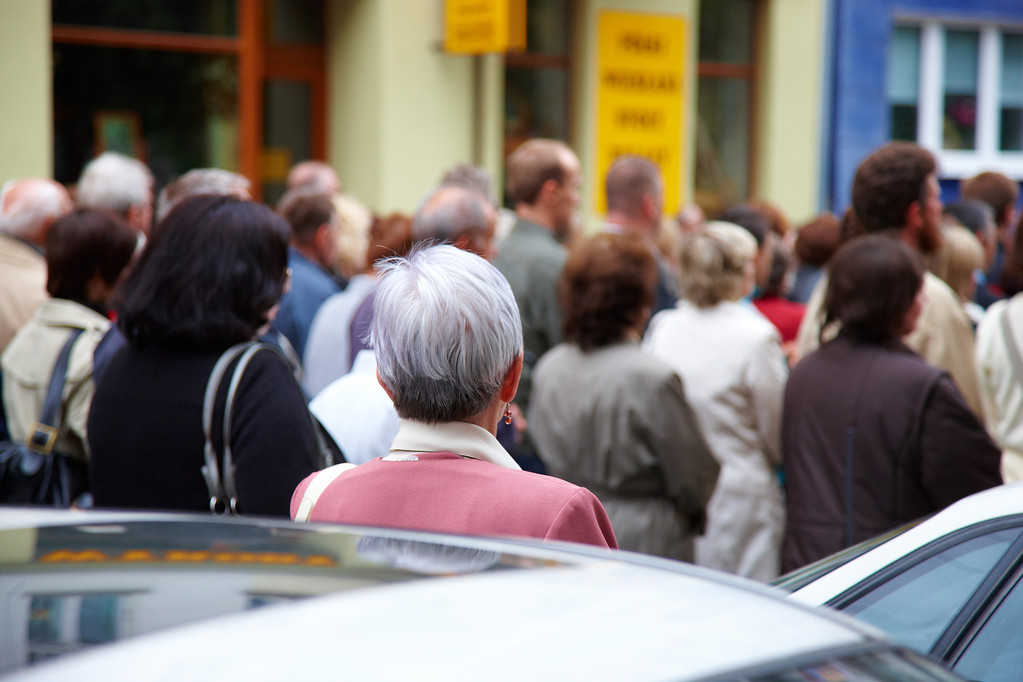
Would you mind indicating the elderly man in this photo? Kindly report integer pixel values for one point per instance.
(315, 176)
(201, 181)
(544, 180)
(120, 184)
(27, 209)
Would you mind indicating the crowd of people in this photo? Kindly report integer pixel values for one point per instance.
(734, 392)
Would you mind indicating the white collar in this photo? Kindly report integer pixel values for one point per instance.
(461, 438)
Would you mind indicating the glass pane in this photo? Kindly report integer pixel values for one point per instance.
(960, 123)
(996, 653)
(874, 666)
(287, 140)
(212, 17)
(726, 31)
(918, 604)
(722, 143)
(547, 27)
(175, 111)
(294, 22)
(1011, 127)
(903, 82)
(535, 104)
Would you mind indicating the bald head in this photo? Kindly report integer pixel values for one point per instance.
(28, 207)
(459, 216)
(315, 176)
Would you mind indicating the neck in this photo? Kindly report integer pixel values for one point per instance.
(534, 214)
(629, 224)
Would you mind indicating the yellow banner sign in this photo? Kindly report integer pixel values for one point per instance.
(641, 89)
(484, 26)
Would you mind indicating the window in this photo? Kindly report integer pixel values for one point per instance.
(725, 95)
(958, 90)
(996, 653)
(919, 603)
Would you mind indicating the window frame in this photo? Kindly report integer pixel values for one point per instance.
(930, 104)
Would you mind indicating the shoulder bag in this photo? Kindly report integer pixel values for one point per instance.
(33, 472)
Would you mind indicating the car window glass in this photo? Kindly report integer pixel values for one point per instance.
(880, 666)
(918, 604)
(996, 653)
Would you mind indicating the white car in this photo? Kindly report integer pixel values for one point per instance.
(392, 605)
(949, 587)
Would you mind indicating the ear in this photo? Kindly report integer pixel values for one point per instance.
(384, 386)
(462, 242)
(650, 210)
(549, 190)
(511, 380)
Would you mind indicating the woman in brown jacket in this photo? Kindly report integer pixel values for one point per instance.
(872, 435)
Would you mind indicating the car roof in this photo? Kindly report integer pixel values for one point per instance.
(995, 503)
(459, 607)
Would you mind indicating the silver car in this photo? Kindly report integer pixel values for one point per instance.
(132, 596)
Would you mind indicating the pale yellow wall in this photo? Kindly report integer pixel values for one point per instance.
(585, 77)
(789, 125)
(26, 109)
(400, 110)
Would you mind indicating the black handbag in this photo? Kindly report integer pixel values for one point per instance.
(33, 472)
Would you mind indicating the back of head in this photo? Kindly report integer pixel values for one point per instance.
(305, 212)
(533, 163)
(114, 182)
(446, 331)
(887, 182)
(390, 236)
(606, 289)
(201, 181)
(817, 240)
(209, 277)
(29, 206)
(628, 180)
(750, 219)
(717, 264)
(973, 214)
(960, 255)
(85, 243)
(354, 223)
(315, 176)
(470, 177)
(449, 213)
(872, 283)
(994, 189)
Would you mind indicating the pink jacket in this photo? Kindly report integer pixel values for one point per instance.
(441, 491)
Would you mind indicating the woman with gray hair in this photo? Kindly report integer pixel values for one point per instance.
(731, 362)
(448, 343)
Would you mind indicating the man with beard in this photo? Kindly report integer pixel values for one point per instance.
(895, 192)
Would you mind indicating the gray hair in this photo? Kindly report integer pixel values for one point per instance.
(115, 182)
(470, 177)
(446, 330)
(201, 181)
(715, 263)
(449, 212)
(28, 204)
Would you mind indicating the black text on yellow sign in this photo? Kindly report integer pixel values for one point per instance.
(484, 26)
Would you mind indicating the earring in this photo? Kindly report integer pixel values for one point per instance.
(507, 413)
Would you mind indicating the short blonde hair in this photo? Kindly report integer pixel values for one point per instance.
(716, 263)
(354, 221)
(960, 255)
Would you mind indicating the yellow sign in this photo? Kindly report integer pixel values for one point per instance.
(483, 26)
(640, 94)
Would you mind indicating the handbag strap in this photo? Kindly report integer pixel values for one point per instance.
(221, 501)
(319, 483)
(43, 434)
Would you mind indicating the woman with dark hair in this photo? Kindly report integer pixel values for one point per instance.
(873, 436)
(609, 417)
(86, 251)
(210, 277)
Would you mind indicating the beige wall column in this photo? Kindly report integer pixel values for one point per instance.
(789, 125)
(400, 111)
(26, 81)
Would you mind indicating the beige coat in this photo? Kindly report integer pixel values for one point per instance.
(28, 361)
(22, 285)
(943, 336)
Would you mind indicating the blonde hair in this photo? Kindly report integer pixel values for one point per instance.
(716, 264)
(960, 255)
(354, 221)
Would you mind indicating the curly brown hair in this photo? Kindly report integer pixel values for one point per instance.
(887, 182)
(606, 288)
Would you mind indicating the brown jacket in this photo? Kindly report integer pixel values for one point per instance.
(873, 437)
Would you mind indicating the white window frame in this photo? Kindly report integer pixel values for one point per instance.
(958, 163)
